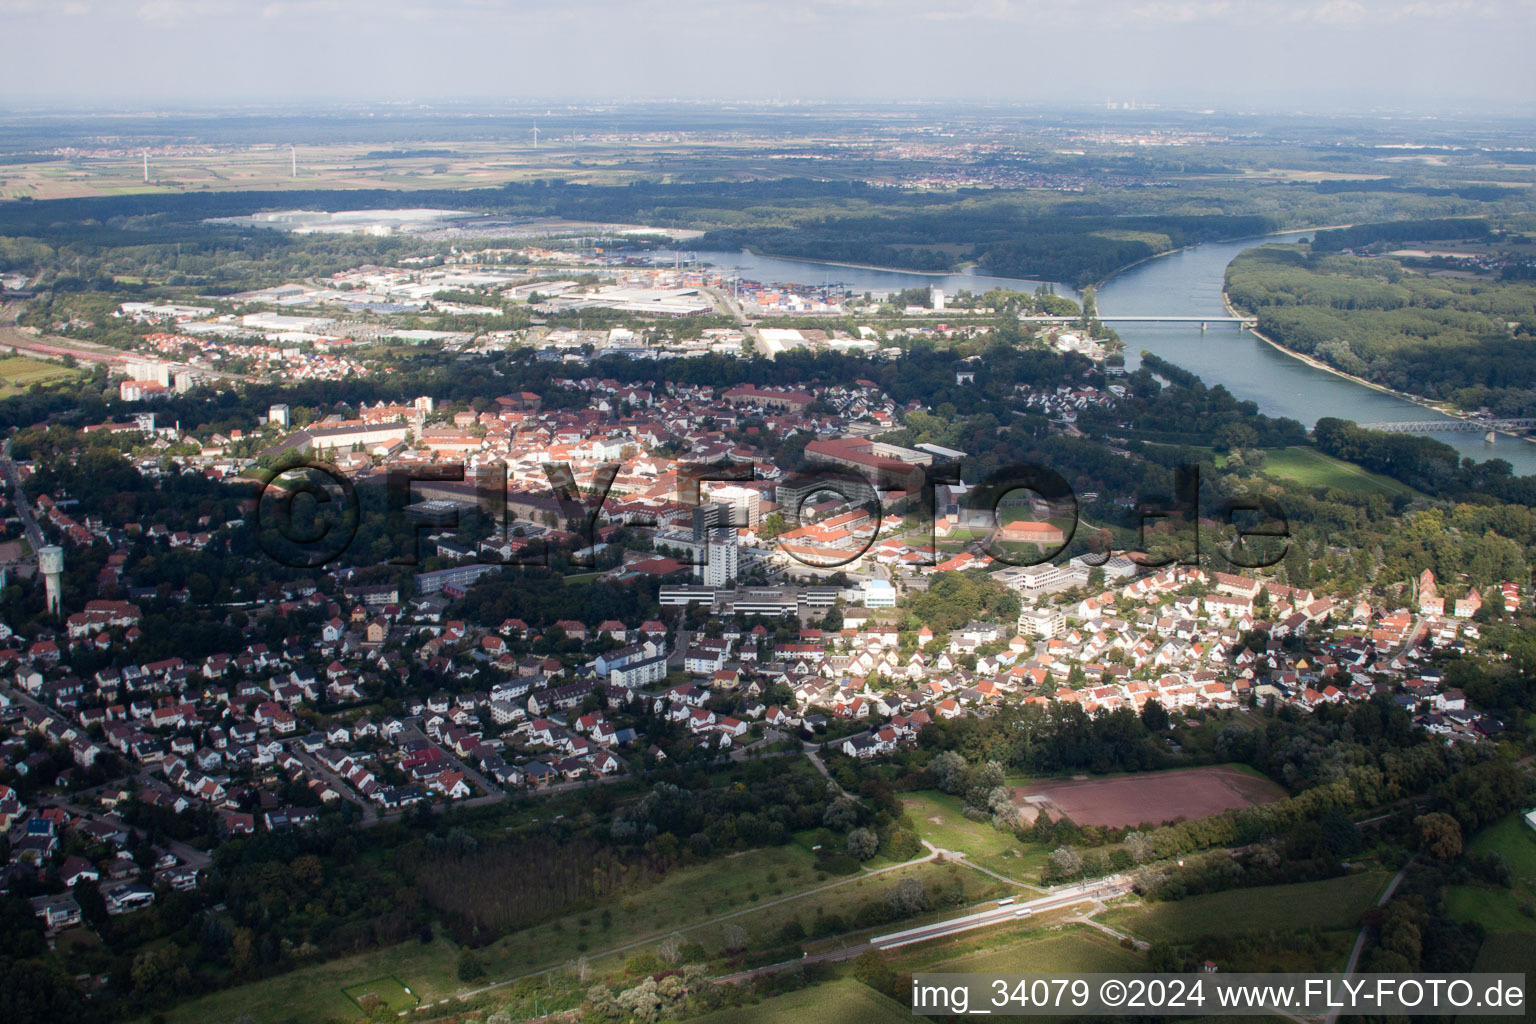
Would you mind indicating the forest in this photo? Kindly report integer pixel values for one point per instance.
(1049, 235)
(1462, 341)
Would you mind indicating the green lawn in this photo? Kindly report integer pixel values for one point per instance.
(1077, 950)
(1331, 904)
(690, 906)
(320, 993)
(1498, 909)
(1312, 468)
(1503, 953)
(1031, 947)
(1506, 951)
(836, 1002)
(1495, 909)
(17, 373)
(940, 820)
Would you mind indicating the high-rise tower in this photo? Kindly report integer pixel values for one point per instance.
(50, 562)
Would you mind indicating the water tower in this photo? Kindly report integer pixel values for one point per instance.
(50, 562)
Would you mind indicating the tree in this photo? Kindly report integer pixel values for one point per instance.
(1154, 716)
(470, 965)
(1234, 436)
(841, 814)
(862, 844)
(948, 771)
(980, 783)
(1065, 862)
(772, 525)
(670, 948)
(643, 1001)
(872, 970)
(1439, 835)
(907, 897)
(1139, 847)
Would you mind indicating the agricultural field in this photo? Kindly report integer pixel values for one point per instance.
(1033, 947)
(1147, 797)
(464, 164)
(643, 917)
(1498, 909)
(836, 1002)
(1074, 950)
(17, 373)
(1503, 953)
(1335, 903)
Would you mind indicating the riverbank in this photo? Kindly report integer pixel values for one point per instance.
(1418, 400)
(1186, 248)
(861, 266)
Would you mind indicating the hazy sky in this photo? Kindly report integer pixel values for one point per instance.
(1271, 54)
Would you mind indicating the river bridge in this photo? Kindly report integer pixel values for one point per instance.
(1450, 425)
(1133, 318)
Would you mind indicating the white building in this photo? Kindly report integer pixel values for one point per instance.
(746, 503)
(878, 594)
(723, 563)
(148, 370)
(1042, 578)
(278, 414)
(1042, 622)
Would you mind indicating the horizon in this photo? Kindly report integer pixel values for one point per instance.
(1315, 56)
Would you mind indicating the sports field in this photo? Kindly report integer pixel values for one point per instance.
(1148, 797)
(329, 991)
(390, 994)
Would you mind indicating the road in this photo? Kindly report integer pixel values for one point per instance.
(1354, 954)
(490, 789)
(23, 506)
(188, 855)
(336, 782)
(815, 759)
(749, 328)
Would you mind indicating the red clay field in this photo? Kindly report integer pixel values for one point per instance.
(1150, 797)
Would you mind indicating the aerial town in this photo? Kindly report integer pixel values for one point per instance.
(751, 561)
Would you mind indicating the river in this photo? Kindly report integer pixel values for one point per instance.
(1184, 283)
(859, 279)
